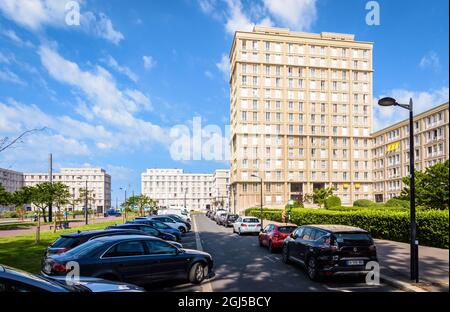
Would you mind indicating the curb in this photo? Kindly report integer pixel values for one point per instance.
(401, 285)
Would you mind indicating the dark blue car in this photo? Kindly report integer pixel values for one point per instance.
(112, 213)
(136, 259)
(159, 226)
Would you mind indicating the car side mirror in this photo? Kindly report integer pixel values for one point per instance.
(293, 236)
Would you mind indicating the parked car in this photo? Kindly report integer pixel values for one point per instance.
(220, 216)
(139, 260)
(246, 225)
(68, 241)
(274, 235)
(15, 280)
(180, 212)
(179, 219)
(173, 223)
(229, 219)
(160, 226)
(148, 230)
(329, 249)
(112, 213)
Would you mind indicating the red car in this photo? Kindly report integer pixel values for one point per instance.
(273, 235)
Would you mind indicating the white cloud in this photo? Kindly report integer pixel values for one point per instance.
(224, 66)
(9, 76)
(11, 34)
(101, 26)
(422, 101)
(430, 60)
(299, 15)
(35, 15)
(108, 104)
(121, 69)
(208, 74)
(149, 62)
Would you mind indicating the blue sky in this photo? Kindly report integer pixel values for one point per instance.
(110, 89)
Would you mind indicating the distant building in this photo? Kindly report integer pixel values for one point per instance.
(390, 152)
(98, 182)
(11, 181)
(174, 187)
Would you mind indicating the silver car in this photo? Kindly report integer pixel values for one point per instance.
(247, 225)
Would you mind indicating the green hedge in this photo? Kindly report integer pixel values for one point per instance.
(363, 203)
(332, 201)
(395, 202)
(433, 225)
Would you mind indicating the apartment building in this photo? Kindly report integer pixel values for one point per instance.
(221, 190)
(11, 181)
(98, 184)
(301, 115)
(390, 152)
(174, 187)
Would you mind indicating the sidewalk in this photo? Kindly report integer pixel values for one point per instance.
(46, 227)
(394, 265)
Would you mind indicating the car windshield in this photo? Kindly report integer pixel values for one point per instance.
(84, 249)
(233, 217)
(250, 220)
(286, 229)
(353, 238)
(65, 242)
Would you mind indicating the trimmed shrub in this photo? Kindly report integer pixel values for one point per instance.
(395, 202)
(433, 225)
(332, 201)
(363, 203)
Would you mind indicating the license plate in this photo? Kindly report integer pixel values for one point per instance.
(355, 262)
(251, 225)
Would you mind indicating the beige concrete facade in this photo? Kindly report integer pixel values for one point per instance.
(99, 184)
(390, 153)
(174, 187)
(221, 187)
(301, 116)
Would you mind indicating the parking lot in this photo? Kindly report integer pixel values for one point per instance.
(241, 265)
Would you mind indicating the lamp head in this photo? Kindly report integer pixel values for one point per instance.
(387, 101)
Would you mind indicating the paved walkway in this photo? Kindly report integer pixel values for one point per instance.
(394, 263)
(45, 227)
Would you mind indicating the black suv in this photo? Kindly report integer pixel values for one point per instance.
(68, 241)
(328, 249)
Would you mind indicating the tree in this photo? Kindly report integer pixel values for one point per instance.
(20, 198)
(431, 186)
(60, 196)
(320, 195)
(5, 197)
(42, 196)
(82, 197)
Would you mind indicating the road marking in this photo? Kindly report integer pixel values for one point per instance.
(206, 286)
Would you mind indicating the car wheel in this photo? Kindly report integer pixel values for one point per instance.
(239, 231)
(313, 273)
(270, 247)
(197, 273)
(285, 255)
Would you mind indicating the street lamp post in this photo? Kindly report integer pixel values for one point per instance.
(261, 182)
(414, 243)
(185, 191)
(124, 208)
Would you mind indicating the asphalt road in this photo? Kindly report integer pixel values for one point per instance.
(240, 265)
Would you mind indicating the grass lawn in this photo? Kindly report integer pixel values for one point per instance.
(22, 252)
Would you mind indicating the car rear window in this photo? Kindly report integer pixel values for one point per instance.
(84, 249)
(250, 220)
(353, 238)
(286, 229)
(66, 242)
